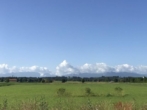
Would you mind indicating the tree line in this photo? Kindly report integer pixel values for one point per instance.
(74, 78)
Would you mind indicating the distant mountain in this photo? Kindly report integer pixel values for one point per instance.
(21, 74)
(35, 74)
(123, 74)
(120, 74)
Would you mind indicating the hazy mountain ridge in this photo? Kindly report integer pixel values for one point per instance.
(36, 74)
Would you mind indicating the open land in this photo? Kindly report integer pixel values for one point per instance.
(73, 95)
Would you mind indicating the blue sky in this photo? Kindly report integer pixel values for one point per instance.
(47, 32)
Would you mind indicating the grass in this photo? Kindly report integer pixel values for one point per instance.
(104, 94)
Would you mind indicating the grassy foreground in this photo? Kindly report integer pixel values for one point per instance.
(73, 96)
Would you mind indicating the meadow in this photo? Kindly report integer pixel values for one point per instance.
(73, 96)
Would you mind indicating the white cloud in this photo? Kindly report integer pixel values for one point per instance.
(43, 71)
(4, 68)
(64, 68)
(141, 69)
(95, 68)
(125, 68)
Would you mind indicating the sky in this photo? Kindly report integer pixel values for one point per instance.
(62, 36)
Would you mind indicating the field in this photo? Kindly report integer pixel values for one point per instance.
(74, 95)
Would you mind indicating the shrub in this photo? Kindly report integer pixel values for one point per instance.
(118, 90)
(43, 81)
(7, 80)
(64, 80)
(83, 80)
(50, 81)
(88, 91)
(46, 80)
(61, 91)
(109, 95)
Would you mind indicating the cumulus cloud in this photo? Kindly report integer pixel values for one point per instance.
(141, 69)
(125, 68)
(95, 68)
(43, 71)
(64, 68)
(4, 68)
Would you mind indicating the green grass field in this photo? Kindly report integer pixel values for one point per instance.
(103, 92)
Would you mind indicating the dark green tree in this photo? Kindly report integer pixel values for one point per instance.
(83, 80)
(7, 80)
(64, 80)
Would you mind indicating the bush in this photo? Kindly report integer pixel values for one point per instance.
(61, 91)
(7, 80)
(118, 90)
(64, 80)
(83, 80)
(43, 81)
(109, 95)
(88, 90)
(50, 81)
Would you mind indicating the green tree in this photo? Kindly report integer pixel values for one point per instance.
(64, 80)
(7, 80)
(43, 81)
(83, 80)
